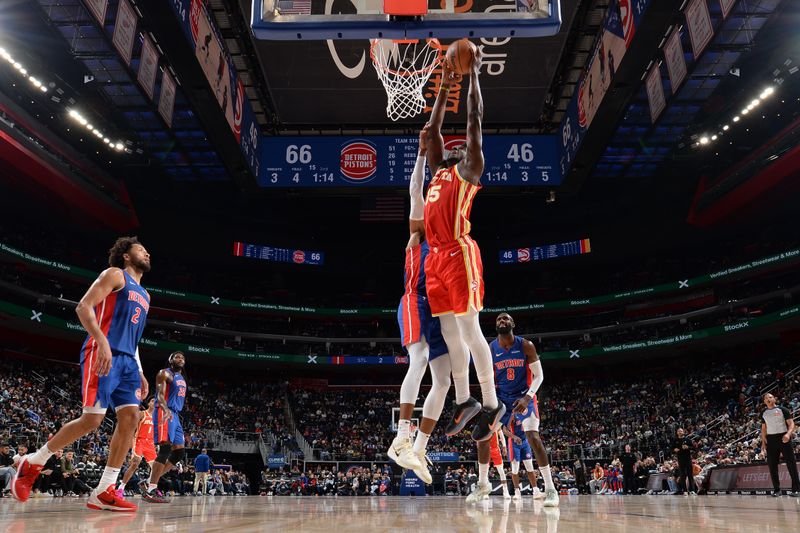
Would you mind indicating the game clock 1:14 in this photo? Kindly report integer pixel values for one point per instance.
(509, 160)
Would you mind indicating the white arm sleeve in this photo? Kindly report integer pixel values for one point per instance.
(138, 361)
(415, 190)
(538, 377)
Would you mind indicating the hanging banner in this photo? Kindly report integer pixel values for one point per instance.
(676, 62)
(125, 31)
(655, 93)
(726, 6)
(226, 84)
(698, 21)
(148, 66)
(98, 9)
(166, 101)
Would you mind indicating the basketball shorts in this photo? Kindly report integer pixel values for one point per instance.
(415, 321)
(170, 431)
(145, 448)
(519, 452)
(529, 419)
(494, 449)
(454, 277)
(120, 388)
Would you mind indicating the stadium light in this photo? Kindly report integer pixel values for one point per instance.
(703, 140)
(736, 118)
(725, 127)
(119, 146)
(745, 111)
(713, 137)
(767, 92)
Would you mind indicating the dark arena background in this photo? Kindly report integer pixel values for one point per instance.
(638, 219)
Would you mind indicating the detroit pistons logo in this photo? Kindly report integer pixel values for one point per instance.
(237, 109)
(359, 161)
(523, 255)
(299, 256)
(628, 28)
(581, 109)
(138, 394)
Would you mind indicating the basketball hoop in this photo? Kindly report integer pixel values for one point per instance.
(404, 67)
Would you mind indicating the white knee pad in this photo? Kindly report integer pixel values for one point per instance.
(440, 377)
(418, 361)
(515, 467)
(528, 465)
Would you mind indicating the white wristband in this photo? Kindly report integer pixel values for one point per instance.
(538, 377)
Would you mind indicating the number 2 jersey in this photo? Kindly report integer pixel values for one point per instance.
(121, 316)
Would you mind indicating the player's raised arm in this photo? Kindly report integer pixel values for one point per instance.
(416, 219)
(433, 129)
(471, 167)
(111, 279)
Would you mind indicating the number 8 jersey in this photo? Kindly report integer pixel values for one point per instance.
(121, 317)
(511, 372)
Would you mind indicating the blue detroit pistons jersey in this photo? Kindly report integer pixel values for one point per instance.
(175, 393)
(121, 316)
(511, 372)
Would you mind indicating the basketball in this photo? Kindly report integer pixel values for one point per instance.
(460, 55)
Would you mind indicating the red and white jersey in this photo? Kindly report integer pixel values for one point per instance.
(146, 428)
(448, 203)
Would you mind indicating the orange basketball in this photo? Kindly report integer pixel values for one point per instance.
(460, 55)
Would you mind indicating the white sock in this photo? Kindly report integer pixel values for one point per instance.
(421, 442)
(40, 456)
(548, 478)
(110, 476)
(404, 428)
(489, 394)
(502, 473)
(483, 473)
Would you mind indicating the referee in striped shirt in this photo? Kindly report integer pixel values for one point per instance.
(777, 430)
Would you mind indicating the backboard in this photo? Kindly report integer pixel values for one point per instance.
(369, 19)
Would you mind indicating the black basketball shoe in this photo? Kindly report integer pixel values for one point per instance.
(488, 422)
(462, 414)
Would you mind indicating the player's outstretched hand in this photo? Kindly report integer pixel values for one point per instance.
(102, 365)
(423, 139)
(449, 74)
(521, 405)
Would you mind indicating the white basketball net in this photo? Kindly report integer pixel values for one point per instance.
(404, 68)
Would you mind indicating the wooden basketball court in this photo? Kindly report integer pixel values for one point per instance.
(639, 514)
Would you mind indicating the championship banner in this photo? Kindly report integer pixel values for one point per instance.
(166, 101)
(125, 30)
(148, 66)
(676, 62)
(98, 9)
(655, 93)
(726, 6)
(698, 21)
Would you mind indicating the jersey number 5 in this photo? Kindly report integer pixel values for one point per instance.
(135, 317)
(510, 374)
(433, 193)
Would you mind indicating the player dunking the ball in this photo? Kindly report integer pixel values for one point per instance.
(422, 337)
(143, 444)
(454, 269)
(170, 395)
(113, 312)
(519, 374)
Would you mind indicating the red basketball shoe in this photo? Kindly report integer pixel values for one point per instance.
(109, 500)
(24, 479)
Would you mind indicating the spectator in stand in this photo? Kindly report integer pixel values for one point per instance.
(7, 469)
(202, 467)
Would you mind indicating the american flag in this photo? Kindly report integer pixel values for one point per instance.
(294, 7)
(382, 209)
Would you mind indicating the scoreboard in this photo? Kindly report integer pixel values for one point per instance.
(278, 255)
(548, 251)
(510, 160)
